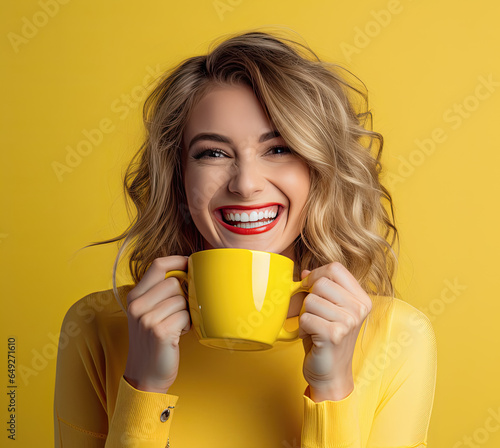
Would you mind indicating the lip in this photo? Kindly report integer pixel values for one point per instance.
(254, 231)
(250, 207)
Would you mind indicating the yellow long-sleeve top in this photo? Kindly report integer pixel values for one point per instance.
(232, 399)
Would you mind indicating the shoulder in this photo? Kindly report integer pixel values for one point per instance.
(95, 309)
(91, 355)
(403, 332)
(410, 323)
(403, 372)
(397, 315)
(410, 341)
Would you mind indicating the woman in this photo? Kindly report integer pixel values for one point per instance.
(255, 121)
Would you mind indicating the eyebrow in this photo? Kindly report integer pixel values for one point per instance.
(223, 139)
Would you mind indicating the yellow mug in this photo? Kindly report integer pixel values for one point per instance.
(239, 298)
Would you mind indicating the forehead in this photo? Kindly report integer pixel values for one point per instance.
(233, 111)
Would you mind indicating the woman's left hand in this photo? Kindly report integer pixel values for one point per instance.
(332, 315)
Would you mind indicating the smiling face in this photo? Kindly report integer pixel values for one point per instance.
(245, 172)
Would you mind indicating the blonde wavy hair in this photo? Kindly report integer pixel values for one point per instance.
(322, 117)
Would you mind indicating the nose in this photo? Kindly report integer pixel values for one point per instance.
(247, 178)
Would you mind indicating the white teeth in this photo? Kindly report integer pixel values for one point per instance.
(254, 216)
(252, 225)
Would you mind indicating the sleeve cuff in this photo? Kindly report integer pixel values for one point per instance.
(141, 419)
(331, 424)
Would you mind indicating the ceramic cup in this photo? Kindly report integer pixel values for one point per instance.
(239, 298)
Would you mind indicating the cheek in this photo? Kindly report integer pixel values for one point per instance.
(300, 187)
(304, 178)
(194, 193)
(295, 181)
(200, 187)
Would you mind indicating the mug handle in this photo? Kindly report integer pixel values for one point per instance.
(180, 275)
(285, 335)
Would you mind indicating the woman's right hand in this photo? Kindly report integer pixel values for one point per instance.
(157, 317)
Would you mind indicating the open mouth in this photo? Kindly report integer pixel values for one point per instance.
(252, 221)
(242, 222)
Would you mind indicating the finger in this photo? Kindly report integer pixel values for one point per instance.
(339, 274)
(313, 325)
(327, 310)
(163, 310)
(188, 325)
(156, 273)
(161, 291)
(178, 321)
(306, 342)
(323, 332)
(337, 295)
(332, 292)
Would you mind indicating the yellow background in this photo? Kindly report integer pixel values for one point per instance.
(73, 74)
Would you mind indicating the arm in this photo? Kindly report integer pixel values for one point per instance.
(80, 401)
(406, 397)
(329, 424)
(141, 419)
(404, 410)
(330, 320)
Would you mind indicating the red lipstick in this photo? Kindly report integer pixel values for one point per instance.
(255, 230)
(250, 207)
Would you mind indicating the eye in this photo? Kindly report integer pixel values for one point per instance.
(286, 150)
(215, 153)
(204, 154)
